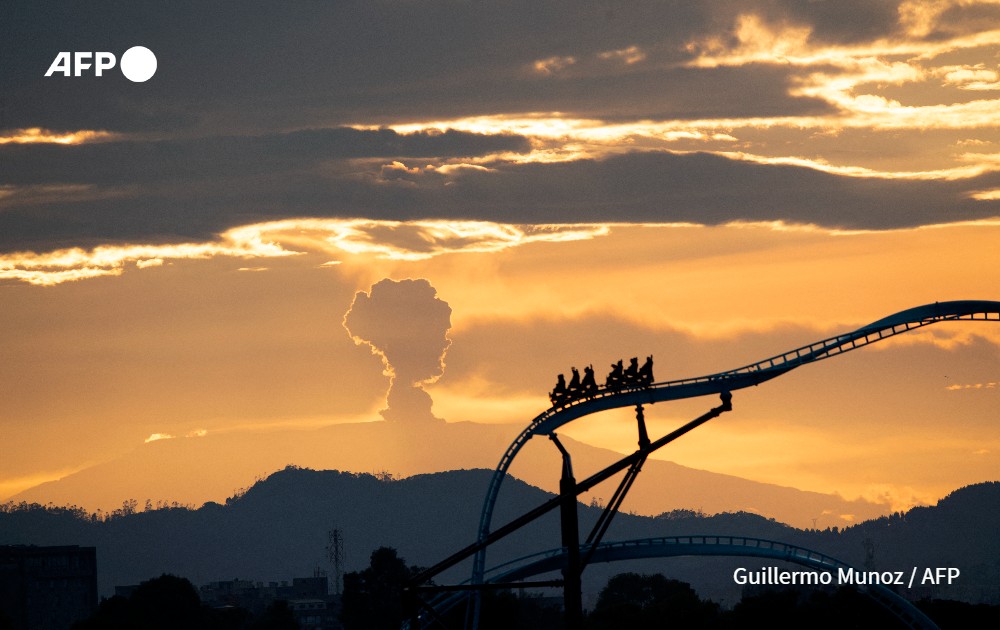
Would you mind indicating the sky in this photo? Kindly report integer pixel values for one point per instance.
(310, 201)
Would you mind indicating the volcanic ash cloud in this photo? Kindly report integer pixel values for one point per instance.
(406, 324)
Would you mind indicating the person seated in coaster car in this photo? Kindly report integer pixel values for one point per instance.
(558, 394)
(573, 389)
(646, 372)
(588, 386)
(614, 380)
(631, 375)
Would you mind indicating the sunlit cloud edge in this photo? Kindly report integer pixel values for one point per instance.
(346, 238)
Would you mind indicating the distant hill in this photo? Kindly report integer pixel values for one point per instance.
(278, 529)
(213, 467)
(954, 533)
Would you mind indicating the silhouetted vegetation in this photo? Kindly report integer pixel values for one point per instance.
(128, 508)
(161, 603)
(504, 609)
(283, 522)
(638, 601)
(809, 607)
(170, 602)
(373, 598)
(952, 615)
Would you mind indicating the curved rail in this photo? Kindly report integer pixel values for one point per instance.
(739, 378)
(710, 545)
(664, 547)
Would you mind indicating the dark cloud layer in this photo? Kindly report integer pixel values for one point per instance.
(191, 189)
(644, 187)
(244, 120)
(186, 161)
(263, 65)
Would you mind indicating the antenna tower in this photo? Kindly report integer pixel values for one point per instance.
(335, 553)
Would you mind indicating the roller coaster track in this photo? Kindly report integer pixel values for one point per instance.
(749, 375)
(697, 545)
(672, 546)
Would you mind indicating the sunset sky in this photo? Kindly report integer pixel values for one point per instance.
(708, 182)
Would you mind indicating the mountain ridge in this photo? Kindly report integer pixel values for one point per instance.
(210, 468)
(278, 529)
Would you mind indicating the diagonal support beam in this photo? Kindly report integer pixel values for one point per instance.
(615, 503)
(581, 487)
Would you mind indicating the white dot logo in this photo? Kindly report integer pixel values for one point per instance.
(138, 64)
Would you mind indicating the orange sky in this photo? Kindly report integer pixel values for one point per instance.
(709, 182)
(216, 345)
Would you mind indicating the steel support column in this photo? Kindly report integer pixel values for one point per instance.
(572, 588)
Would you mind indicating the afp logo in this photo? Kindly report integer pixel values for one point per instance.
(138, 64)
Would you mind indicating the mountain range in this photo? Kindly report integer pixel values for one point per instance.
(193, 470)
(279, 528)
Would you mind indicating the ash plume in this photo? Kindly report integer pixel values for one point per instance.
(406, 324)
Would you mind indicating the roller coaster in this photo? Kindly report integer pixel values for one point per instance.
(638, 392)
(711, 545)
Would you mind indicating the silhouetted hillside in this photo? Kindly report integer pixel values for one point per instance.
(199, 469)
(960, 531)
(278, 529)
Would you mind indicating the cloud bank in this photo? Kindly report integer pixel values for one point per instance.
(862, 115)
(198, 202)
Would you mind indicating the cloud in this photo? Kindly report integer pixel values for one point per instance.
(629, 55)
(657, 187)
(420, 240)
(389, 240)
(138, 162)
(706, 189)
(280, 116)
(42, 136)
(351, 62)
(346, 61)
(55, 196)
(154, 437)
(66, 265)
(966, 386)
(552, 65)
(406, 324)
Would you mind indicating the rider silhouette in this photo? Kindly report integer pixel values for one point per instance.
(632, 371)
(646, 371)
(588, 385)
(615, 377)
(557, 394)
(574, 382)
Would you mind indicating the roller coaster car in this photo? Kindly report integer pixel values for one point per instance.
(576, 389)
(620, 378)
(632, 376)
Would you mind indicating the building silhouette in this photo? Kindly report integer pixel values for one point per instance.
(307, 598)
(47, 588)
